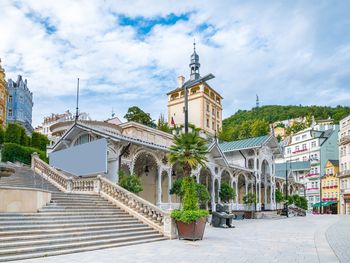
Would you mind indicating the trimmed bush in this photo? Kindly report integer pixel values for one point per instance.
(13, 152)
(131, 183)
(297, 200)
(226, 192)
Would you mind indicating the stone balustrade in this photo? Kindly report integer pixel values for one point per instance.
(133, 204)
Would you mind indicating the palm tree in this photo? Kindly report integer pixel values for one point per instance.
(189, 150)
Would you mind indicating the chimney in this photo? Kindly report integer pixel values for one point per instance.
(180, 81)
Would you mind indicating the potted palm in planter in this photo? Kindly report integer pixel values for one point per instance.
(249, 200)
(189, 151)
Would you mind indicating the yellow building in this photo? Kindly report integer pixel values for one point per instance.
(330, 188)
(3, 97)
(204, 103)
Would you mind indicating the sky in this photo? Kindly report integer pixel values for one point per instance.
(129, 53)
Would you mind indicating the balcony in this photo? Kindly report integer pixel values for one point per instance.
(329, 198)
(345, 139)
(312, 174)
(299, 151)
(330, 187)
(312, 189)
(344, 173)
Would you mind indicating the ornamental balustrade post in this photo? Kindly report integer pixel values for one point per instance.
(34, 156)
(70, 184)
(97, 184)
(169, 227)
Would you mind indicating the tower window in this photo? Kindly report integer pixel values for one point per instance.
(208, 123)
(208, 107)
(10, 113)
(218, 114)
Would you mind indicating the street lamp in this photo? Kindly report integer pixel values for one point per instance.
(188, 84)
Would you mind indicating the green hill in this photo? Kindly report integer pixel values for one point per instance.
(255, 122)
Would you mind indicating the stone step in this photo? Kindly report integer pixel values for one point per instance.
(65, 221)
(63, 240)
(20, 256)
(74, 213)
(65, 225)
(20, 232)
(86, 232)
(52, 218)
(77, 210)
(77, 244)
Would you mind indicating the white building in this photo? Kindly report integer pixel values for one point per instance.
(344, 165)
(44, 128)
(316, 145)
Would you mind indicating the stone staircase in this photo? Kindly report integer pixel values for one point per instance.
(70, 223)
(25, 177)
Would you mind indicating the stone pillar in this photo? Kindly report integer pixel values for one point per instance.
(169, 186)
(237, 193)
(34, 155)
(97, 184)
(112, 173)
(219, 187)
(159, 186)
(212, 193)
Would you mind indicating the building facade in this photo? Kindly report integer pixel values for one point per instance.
(330, 188)
(204, 103)
(67, 116)
(344, 165)
(3, 97)
(20, 103)
(316, 145)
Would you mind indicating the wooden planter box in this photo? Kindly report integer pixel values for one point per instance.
(192, 231)
(249, 214)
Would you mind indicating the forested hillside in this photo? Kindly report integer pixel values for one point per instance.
(255, 122)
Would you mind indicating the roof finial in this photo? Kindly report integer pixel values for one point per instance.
(194, 44)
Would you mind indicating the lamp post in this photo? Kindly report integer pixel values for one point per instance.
(188, 84)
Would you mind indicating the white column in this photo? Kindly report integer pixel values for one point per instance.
(169, 186)
(212, 193)
(159, 186)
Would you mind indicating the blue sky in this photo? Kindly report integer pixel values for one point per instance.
(130, 53)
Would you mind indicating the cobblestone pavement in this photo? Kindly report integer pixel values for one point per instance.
(338, 236)
(292, 240)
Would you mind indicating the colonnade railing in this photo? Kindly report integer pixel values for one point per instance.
(143, 210)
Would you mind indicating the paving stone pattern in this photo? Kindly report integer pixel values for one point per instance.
(338, 236)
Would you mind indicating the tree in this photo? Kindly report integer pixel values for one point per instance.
(14, 133)
(226, 192)
(131, 183)
(2, 135)
(189, 150)
(39, 141)
(162, 125)
(137, 115)
(259, 128)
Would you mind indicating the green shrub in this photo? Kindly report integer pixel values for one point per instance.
(226, 192)
(131, 183)
(188, 216)
(39, 141)
(297, 200)
(202, 192)
(279, 196)
(249, 199)
(14, 133)
(190, 205)
(13, 152)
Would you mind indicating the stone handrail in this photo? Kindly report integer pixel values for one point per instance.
(143, 210)
(55, 177)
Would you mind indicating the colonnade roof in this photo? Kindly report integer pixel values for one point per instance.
(244, 144)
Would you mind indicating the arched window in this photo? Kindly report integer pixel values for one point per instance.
(85, 138)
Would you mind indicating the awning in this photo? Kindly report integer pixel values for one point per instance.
(328, 203)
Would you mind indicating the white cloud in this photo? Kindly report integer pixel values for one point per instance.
(273, 49)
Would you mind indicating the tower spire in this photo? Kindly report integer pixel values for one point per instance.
(257, 101)
(194, 64)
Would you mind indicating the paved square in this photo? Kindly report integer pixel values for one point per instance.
(295, 239)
